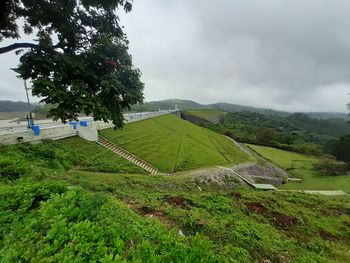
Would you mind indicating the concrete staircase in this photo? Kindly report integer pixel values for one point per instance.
(126, 155)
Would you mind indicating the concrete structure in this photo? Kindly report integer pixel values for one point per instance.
(87, 133)
(86, 128)
(318, 192)
(249, 182)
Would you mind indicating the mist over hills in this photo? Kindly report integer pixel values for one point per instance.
(13, 106)
(20, 106)
(228, 107)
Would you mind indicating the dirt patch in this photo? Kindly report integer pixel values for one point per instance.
(235, 195)
(178, 201)
(346, 224)
(147, 209)
(278, 219)
(201, 223)
(326, 235)
(151, 212)
(337, 211)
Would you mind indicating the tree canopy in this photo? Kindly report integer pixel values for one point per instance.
(342, 148)
(79, 60)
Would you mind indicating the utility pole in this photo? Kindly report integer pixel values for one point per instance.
(30, 121)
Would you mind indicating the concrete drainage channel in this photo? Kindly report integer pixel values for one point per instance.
(271, 187)
(126, 155)
(250, 183)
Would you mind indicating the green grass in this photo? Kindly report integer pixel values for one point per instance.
(68, 214)
(172, 144)
(59, 156)
(317, 229)
(99, 159)
(207, 114)
(303, 169)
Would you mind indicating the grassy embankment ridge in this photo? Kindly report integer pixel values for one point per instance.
(207, 114)
(303, 168)
(172, 144)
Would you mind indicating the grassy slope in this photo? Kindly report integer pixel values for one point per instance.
(303, 168)
(99, 159)
(67, 215)
(207, 114)
(70, 153)
(229, 220)
(172, 144)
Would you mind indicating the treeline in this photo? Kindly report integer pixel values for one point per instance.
(13, 106)
(297, 132)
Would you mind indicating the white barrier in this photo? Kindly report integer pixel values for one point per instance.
(54, 131)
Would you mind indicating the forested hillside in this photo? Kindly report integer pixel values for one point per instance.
(228, 107)
(306, 134)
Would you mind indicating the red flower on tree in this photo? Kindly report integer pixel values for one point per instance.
(112, 62)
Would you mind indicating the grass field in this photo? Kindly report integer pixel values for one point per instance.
(207, 114)
(241, 226)
(303, 168)
(172, 144)
(99, 159)
(62, 155)
(54, 208)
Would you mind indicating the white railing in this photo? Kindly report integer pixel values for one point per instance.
(15, 133)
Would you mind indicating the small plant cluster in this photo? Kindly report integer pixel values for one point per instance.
(331, 167)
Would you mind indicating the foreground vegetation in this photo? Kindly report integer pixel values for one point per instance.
(57, 156)
(172, 144)
(73, 201)
(303, 167)
(85, 216)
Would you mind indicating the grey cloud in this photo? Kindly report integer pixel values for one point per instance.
(279, 54)
(290, 55)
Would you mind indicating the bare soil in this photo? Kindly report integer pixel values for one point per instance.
(277, 218)
(178, 201)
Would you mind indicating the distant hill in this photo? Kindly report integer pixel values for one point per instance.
(19, 106)
(228, 107)
(168, 104)
(238, 108)
(327, 115)
(13, 106)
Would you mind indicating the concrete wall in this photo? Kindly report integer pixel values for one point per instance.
(87, 133)
(53, 133)
(59, 130)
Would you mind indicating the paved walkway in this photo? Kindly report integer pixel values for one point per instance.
(319, 192)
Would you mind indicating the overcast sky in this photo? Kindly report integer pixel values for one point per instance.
(289, 55)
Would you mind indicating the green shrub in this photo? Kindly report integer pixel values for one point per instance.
(12, 169)
(49, 222)
(329, 167)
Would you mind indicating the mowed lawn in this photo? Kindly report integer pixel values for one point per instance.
(97, 158)
(172, 144)
(303, 169)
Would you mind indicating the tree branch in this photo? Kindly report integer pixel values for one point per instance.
(16, 46)
(24, 45)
